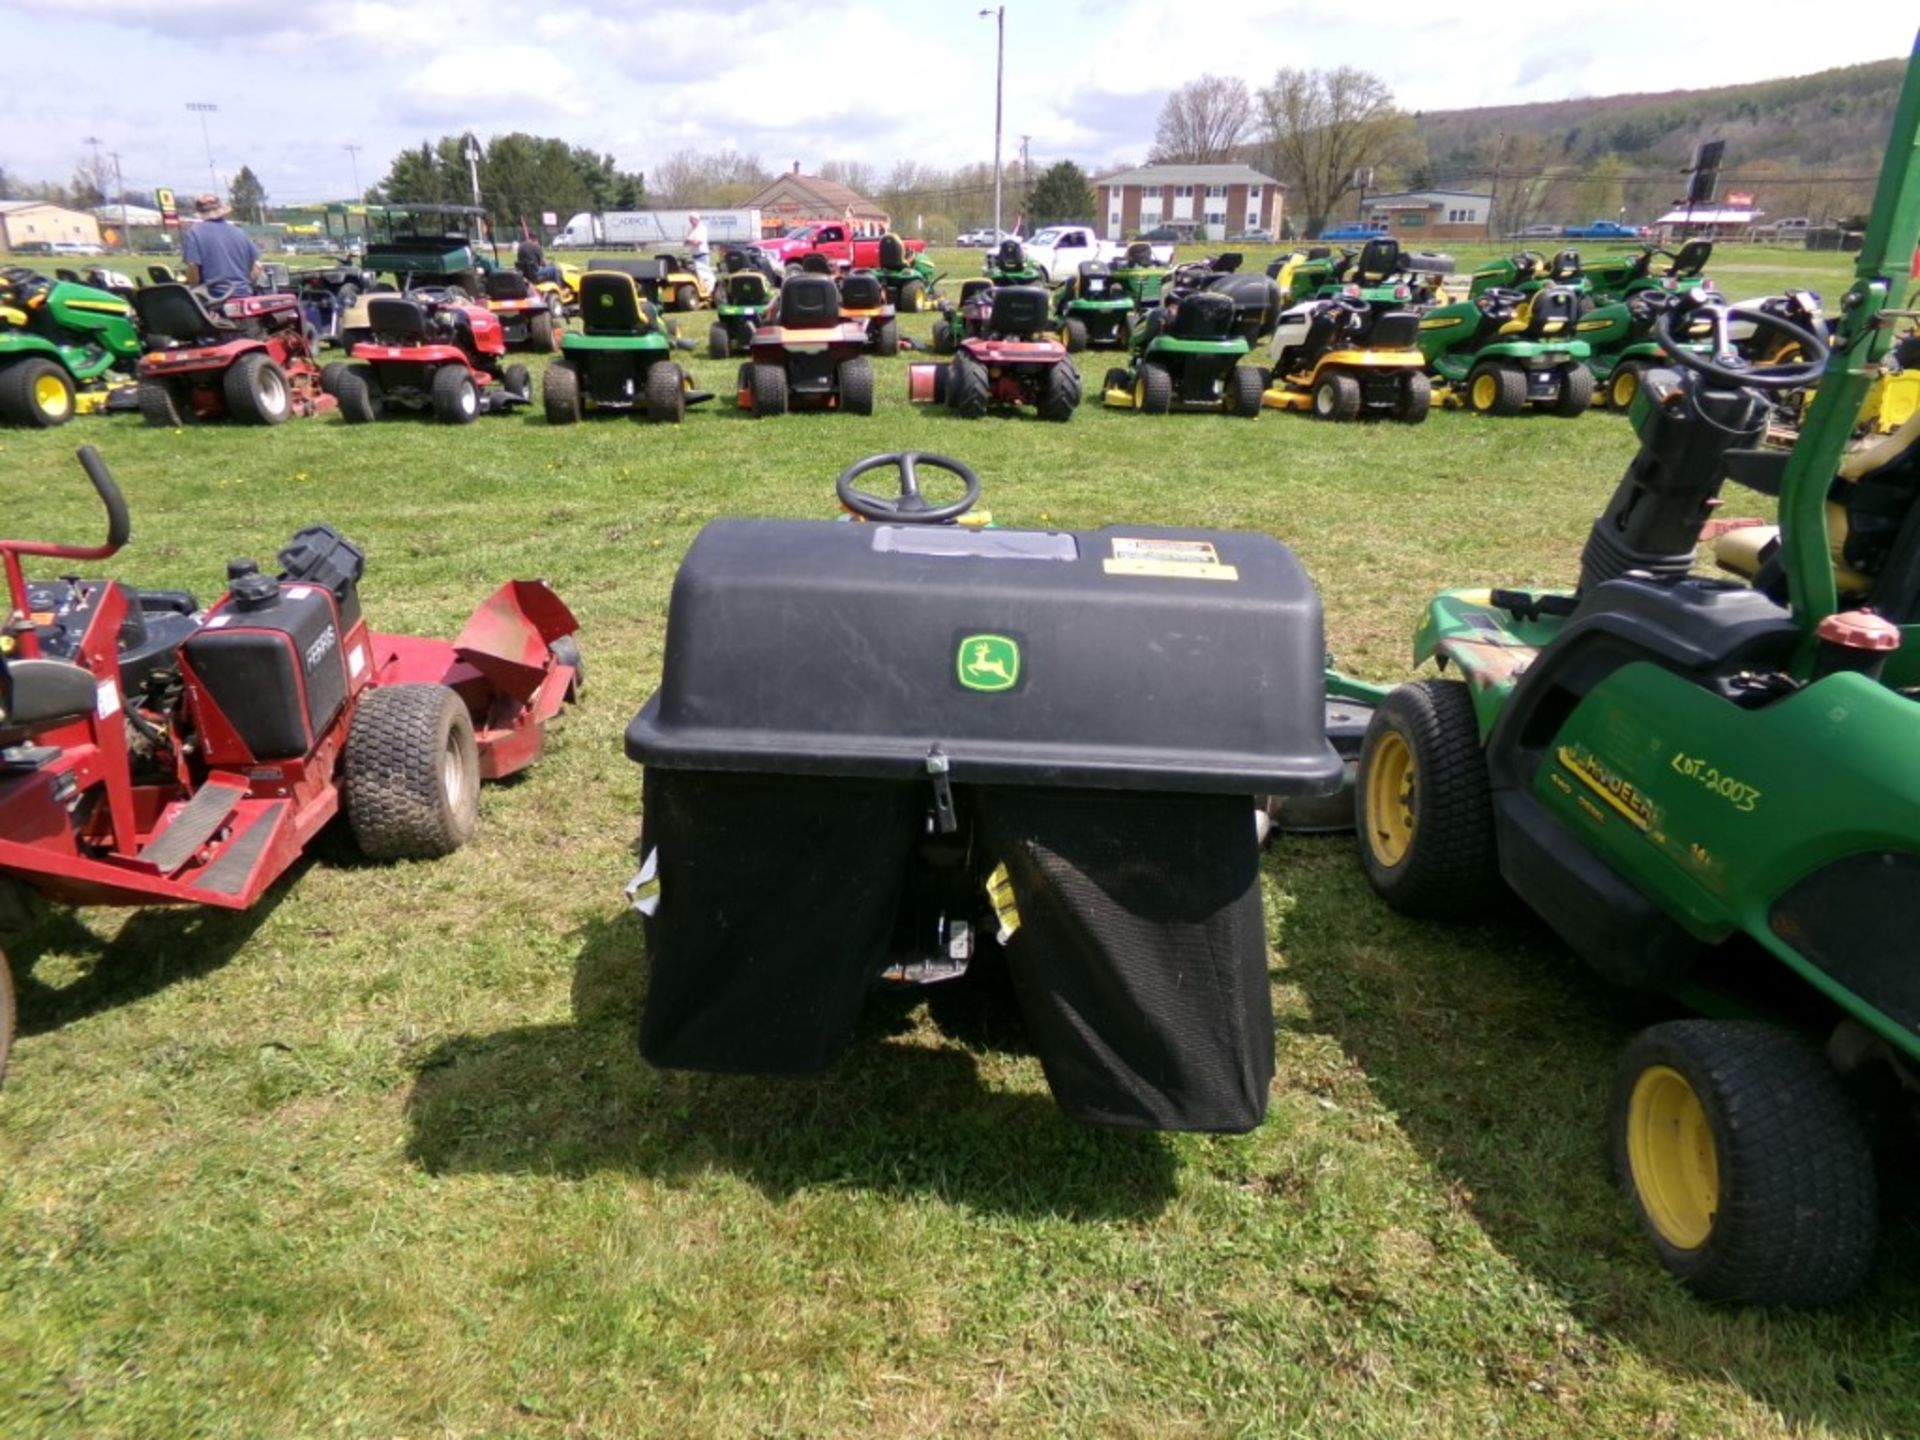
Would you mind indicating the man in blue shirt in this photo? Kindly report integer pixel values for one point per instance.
(219, 255)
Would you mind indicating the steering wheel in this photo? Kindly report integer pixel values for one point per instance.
(910, 507)
(1725, 364)
(1502, 297)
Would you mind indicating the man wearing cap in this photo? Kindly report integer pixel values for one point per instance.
(219, 255)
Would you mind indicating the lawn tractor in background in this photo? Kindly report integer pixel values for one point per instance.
(1142, 276)
(562, 293)
(864, 298)
(1529, 272)
(1256, 298)
(1093, 310)
(155, 753)
(955, 323)
(807, 356)
(430, 350)
(909, 277)
(1707, 787)
(527, 320)
(667, 280)
(741, 299)
(327, 294)
(64, 348)
(1187, 356)
(1339, 358)
(245, 358)
(1504, 351)
(1619, 277)
(1016, 360)
(1379, 272)
(621, 357)
(1623, 347)
(1007, 264)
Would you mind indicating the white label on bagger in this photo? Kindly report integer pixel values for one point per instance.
(1167, 559)
(107, 704)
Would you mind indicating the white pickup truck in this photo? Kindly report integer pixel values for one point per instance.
(1058, 250)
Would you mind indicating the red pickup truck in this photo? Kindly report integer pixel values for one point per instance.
(832, 239)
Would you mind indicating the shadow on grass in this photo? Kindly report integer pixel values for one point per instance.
(893, 1115)
(1494, 1050)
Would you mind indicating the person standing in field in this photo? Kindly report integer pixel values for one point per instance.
(699, 250)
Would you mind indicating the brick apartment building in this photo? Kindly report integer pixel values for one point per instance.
(1219, 200)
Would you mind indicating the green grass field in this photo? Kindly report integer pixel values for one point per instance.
(380, 1158)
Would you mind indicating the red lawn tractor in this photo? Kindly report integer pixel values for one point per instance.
(154, 753)
(430, 350)
(807, 355)
(245, 357)
(1017, 360)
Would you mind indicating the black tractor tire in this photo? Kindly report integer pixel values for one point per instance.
(516, 380)
(912, 297)
(560, 394)
(1336, 397)
(542, 335)
(719, 345)
(1576, 392)
(566, 650)
(411, 773)
(1248, 386)
(1505, 391)
(666, 393)
(330, 374)
(1422, 804)
(942, 341)
(9, 1015)
(456, 399)
(686, 299)
(1624, 384)
(1154, 388)
(968, 393)
(256, 390)
(856, 386)
(1061, 397)
(1745, 1161)
(35, 392)
(1415, 399)
(1074, 334)
(769, 389)
(358, 392)
(159, 406)
(886, 340)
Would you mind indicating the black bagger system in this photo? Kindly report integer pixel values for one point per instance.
(884, 749)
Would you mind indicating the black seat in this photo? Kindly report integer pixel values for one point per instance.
(893, 252)
(610, 302)
(971, 289)
(1554, 312)
(862, 290)
(1692, 258)
(508, 285)
(1203, 315)
(1566, 267)
(162, 274)
(816, 264)
(173, 312)
(36, 695)
(398, 320)
(808, 302)
(1019, 312)
(747, 288)
(1011, 255)
(1395, 330)
(639, 269)
(1096, 282)
(1139, 255)
(1379, 258)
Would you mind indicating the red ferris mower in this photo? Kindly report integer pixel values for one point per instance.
(154, 753)
(245, 357)
(1016, 360)
(430, 350)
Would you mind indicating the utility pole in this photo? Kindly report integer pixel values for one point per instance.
(999, 14)
(1026, 176)
(353, 157)
(1493, 190)
(203, 109)
(120, 189)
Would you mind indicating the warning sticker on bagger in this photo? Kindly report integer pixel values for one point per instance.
(1168, 559)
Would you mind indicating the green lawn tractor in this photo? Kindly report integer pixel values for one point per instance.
(1007, 264)
(740, 299)
(1094, 310)
(1707, 787)
(910, 279)
(1622, 346)
(1187, 356)
(1618, 277)
(1141, 276)
(64, 348)
(621, 358)
(1380, 272)
(1503, 352)
(1529, 272)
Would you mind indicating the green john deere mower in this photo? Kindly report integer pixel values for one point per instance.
(1708, 786)
(63, 347)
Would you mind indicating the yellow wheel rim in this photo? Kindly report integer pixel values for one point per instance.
(51, 396)
(1485, 391)
(1390, 782)
(1676, 1174)
(1625, 386)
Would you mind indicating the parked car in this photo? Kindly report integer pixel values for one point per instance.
(1058, 250)
(1258, 235)
(985, 238)
(1175, 234)
(74, 247)
(1536, 232)
(1355, 231)
(1794, 227)
(1603, 230)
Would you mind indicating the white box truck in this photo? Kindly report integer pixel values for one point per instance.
(650, 229)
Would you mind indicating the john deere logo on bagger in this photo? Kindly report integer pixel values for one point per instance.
(988, 662)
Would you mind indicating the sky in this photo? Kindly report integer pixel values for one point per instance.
(789, 80)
